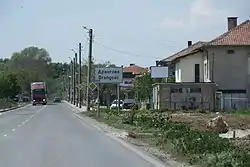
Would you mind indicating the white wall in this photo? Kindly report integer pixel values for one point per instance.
(185, 68)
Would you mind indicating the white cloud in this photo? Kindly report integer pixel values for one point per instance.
(169, 23)
(204, 12)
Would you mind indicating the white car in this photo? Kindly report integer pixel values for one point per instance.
(114, 104)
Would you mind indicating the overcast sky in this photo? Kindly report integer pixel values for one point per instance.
(146, 30)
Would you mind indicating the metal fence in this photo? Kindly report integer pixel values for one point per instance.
(183, 105)
(232, 101)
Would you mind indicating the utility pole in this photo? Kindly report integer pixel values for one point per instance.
(89, 68)
(72, 82)
(80, 75)
(76, 80)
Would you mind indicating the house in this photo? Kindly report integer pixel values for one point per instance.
(129, 73)
(225, 61)
(134, 69)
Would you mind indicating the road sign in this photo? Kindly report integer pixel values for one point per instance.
(92, 86)
(108, 75)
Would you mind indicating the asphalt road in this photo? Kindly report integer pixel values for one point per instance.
(51, 136)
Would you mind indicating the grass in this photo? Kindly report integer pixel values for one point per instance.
(7, 103)
(240, 112)
(200, 148)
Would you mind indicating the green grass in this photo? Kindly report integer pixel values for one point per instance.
(204, 149)
(240, 112)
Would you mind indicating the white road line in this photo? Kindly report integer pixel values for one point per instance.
(32, 116)
(13, 129)
(5, 135)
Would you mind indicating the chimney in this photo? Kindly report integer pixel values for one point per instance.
(131, 64)
(189, 43)
(231, 22)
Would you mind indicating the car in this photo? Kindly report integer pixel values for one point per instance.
(129, 104)
(114, 104)
(57, 100)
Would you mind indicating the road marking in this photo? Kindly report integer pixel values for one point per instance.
(5, 135)
(32, 116)
(13, 129)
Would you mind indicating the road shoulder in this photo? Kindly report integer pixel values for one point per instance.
(2, 111)
(142, 149)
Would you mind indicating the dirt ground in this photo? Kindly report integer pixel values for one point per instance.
(199, 120)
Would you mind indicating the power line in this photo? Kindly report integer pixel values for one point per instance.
(124, 52)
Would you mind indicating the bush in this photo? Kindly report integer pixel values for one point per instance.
(6, 103)
(204, 148)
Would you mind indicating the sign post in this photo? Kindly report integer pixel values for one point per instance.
(112, 75)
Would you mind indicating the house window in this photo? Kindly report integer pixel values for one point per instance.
(197, 73)
(195, 90)
(230, 51)
(176, 90)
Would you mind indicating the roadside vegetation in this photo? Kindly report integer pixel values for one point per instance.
(179, 138)
(29, 65)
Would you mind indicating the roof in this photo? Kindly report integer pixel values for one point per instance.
(134, 69)
(187, 51)
(239, 35)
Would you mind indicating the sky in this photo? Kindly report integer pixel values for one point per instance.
(125, 31)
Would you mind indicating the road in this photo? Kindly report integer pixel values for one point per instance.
(51, 136)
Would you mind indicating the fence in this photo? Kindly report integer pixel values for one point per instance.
(183, 105)
(231, 101)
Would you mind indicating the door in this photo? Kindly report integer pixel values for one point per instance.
(197, 73)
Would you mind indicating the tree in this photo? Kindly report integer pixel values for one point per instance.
(9, 86)
(143, 85)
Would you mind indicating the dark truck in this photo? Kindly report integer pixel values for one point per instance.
(38, 93)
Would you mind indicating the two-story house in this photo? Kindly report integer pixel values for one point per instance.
(225, 60)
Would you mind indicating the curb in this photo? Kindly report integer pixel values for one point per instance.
(75, 107)
(13, 108)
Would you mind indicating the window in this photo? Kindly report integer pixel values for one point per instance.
(197, 73)
(176, 90)
(195, 90)
(38, 91)
(230, 51)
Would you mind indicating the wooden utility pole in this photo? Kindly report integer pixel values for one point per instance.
(89, 69)
(72, 82)
(76, 80)
(80, 75)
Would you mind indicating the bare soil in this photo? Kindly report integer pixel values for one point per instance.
(199, 121)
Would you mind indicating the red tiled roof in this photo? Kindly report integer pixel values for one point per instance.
(134, 69)
(187, 51)
(239, 35)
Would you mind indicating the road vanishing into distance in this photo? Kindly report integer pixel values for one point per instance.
(51, 136)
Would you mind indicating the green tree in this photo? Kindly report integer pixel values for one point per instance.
(143, 85)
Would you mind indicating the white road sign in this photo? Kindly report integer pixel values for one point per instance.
(108, 75)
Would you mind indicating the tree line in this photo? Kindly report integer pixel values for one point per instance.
(29, 65)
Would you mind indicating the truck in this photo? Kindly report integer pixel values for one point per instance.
(38, 93)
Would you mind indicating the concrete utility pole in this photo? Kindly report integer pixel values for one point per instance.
(76, 80)
(80, 75)
(89, 68)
